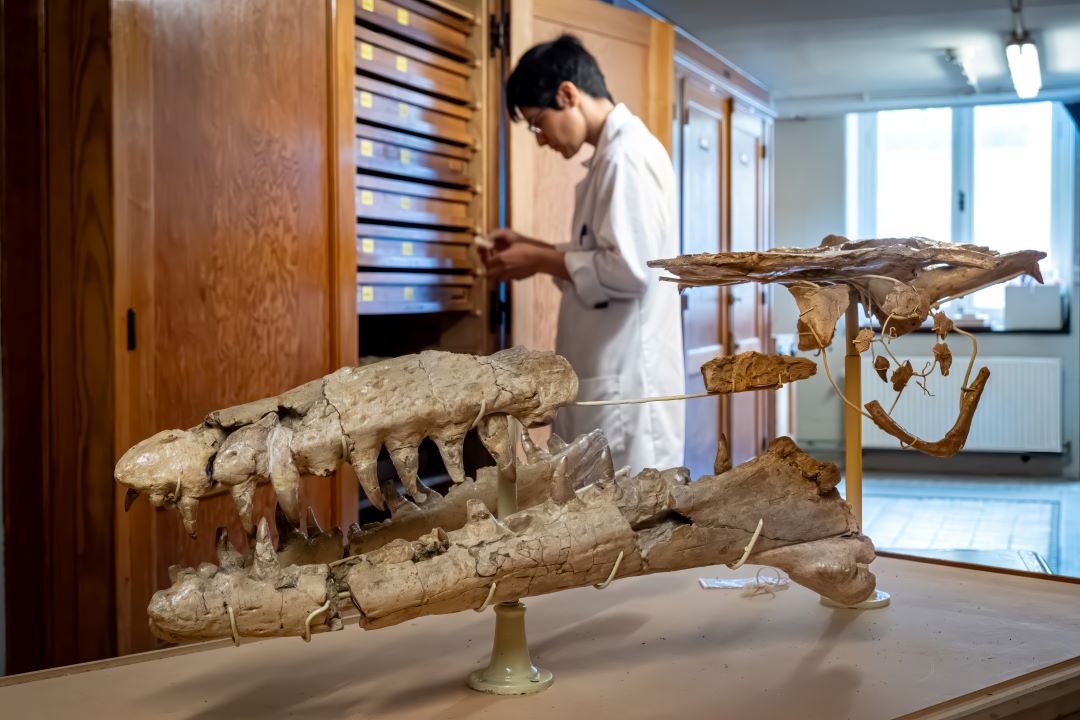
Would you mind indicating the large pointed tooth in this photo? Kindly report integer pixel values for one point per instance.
(189, 512)
(314, 530)
(494, 431)
(130, 497)
(555, 444)
(284, 475)
(451, 450)
(264, 564)
(406, 461)
(533, 454)
(365, 464)
(228, 557)
(243, 496)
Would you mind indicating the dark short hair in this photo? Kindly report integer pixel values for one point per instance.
(536, 79)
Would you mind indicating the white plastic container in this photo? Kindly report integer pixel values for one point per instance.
(1033, 307)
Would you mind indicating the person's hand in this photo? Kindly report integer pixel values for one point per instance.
(516, 261)
(502, 238)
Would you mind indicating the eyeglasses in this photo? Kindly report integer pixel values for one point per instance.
(534, 124)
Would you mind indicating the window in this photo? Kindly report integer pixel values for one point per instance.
(994, 175)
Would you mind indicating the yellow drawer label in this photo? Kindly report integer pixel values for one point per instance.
(366, 198)
(402, 110)
(406, 248)
(366, 148)
(402, 63)
(408, 293)
(402, 16)
(366, 51)
(406, 156)
(404, 203)
(367, 246)
(365, 99)
(367, 293)
(368, 5)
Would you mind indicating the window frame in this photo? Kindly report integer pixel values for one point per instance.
(861, 189)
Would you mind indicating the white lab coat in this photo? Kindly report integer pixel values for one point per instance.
(619, 326)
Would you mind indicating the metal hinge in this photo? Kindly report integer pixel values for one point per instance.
(763, 154)
(499, 34)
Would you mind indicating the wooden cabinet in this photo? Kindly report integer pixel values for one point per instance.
(724, 167)
(223, 200)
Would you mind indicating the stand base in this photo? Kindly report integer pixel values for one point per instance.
(511, 670)
(879, 599)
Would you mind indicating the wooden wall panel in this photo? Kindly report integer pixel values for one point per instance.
(22, 245)
(57, 309)
(231, 238)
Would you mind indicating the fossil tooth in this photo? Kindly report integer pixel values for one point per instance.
(406, 461)
(130, 497)
(562, 488)
(556, 444)
(532, 453)
(228, 557)
(189, 513)
(494, 431)
(451, 449)
(607, 467)
(722, 463)
(284, 475)
(366, 465)
(243, 496)
(264, 563)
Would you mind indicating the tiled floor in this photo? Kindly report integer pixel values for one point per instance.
(969, 513)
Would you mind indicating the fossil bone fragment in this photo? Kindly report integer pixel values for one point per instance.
(657, 521)
(258, 597)
(819, 309)
(559, 470)
(954, 439)
(349, 415)
(900, 279)
(754, 371)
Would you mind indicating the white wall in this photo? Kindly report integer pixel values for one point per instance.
(810, 204)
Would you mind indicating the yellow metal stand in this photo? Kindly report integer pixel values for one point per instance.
(510, 670)
(853, 439)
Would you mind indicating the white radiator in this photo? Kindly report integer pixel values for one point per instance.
(1020, 410)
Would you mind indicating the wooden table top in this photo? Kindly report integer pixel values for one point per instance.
(650, 647)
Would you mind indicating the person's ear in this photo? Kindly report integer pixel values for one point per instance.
(567, 95)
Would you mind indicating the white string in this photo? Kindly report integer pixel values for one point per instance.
(661, 398)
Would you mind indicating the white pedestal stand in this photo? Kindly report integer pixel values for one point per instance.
(510, 670)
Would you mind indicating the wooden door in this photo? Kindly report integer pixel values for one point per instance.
(636, 53)
(748, 308)
(229, 240)
(703, 155)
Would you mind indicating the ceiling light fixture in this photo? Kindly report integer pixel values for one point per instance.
(1023, 56)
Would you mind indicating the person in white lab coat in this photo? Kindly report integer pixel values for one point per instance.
(620, 328)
